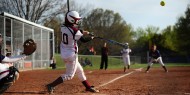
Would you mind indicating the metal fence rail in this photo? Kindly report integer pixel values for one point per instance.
(16, 30)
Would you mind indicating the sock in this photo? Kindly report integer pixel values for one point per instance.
(164, 68)
(86, 84)
(56, 82)
(124, 69)
(148, 68)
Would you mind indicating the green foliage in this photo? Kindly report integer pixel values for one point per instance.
(144, 39)
(182, 29)
(169, 38)
(107, 24)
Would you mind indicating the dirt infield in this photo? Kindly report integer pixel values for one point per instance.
(110, 82)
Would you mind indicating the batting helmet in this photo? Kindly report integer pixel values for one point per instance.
(72, 17)
(126, 45)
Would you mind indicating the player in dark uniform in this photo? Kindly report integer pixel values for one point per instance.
(104, 57)
(8, 73)
(155, 56)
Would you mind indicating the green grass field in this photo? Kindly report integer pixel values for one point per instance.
(113, 63)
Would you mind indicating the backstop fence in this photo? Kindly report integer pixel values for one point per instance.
(16, 30)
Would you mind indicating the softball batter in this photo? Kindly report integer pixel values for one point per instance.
(69, 52)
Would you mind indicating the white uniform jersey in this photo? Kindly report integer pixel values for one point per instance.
(69, 45)
(125, 55)
(125, 52)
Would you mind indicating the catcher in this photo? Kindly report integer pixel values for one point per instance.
(8, 73)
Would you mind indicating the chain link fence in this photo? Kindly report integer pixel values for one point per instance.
(16, 30)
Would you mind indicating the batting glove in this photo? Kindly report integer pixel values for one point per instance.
(91, 34)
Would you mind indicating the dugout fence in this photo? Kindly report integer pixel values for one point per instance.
(16, 30)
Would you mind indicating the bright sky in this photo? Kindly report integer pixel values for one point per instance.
(141, 13)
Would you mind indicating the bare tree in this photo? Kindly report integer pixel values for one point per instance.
(39, 11)
(33, 10)
(55, 22)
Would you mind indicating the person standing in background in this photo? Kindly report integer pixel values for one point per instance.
(104, 57)
(53, 63)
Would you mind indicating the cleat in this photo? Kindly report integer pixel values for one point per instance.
(147, 72)
(166, 71)
(50, 89)
(92, 89)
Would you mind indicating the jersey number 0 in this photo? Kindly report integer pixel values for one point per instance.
(65, 38)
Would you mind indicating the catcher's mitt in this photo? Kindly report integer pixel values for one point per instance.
(29, 47)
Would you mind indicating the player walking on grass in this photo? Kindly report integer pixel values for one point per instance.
(69, 52)
(126, 58)
(8, 73)
(155, 56)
